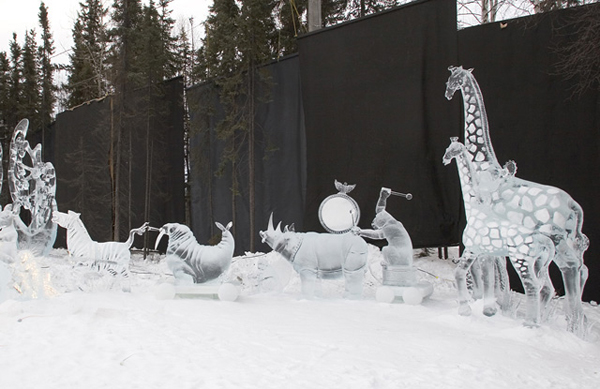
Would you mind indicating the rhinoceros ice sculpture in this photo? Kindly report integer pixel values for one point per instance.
(321, 255)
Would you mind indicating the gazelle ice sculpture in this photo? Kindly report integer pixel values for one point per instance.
(539, 212)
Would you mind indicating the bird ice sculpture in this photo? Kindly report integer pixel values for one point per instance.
(533, 223)
(192, 262)
(32, 188)
(320, 256)
(104, 257)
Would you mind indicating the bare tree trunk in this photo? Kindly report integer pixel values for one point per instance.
(148, 178)
(251, 177)
(129, 179)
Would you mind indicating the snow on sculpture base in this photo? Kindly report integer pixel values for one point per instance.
(224, 292)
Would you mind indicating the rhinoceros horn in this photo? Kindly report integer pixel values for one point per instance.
(270, 226)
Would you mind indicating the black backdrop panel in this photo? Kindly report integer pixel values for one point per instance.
(80, 148)
(534, 118)
(280, 171)
(376, 116)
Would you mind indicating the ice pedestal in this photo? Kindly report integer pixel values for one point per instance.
(399, 275)
(402, 282)
(226, 291)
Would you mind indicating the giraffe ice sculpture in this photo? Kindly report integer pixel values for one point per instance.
(546, 210)
(489, 238)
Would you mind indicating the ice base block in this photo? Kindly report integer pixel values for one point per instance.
(225, 291)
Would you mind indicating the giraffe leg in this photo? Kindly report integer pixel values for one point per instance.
(460, 274)
(489, 278)
(574, 273)
(524, 268)
(477, 283)
(531, 262)
(502, 284)
(545, 252)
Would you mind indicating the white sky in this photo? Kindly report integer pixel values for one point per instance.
(22, 15)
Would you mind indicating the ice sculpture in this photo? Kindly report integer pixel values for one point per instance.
(5, 279)
(111, 258)
(8, 234)
(316, 256)
(339, 212)
(32, 188)
(399, 273)
(484, 250)
(191, 262)
(530, 223)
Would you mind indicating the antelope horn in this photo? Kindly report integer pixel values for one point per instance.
(279, 227)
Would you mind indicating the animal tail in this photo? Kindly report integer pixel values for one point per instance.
(581, 239)
(132, 233)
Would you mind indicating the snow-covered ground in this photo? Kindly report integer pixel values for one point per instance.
(83, 335)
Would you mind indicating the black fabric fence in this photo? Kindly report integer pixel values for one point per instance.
(79, 146)
(376, 116)
(280, 172)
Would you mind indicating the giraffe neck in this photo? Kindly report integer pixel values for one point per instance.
(477, 135)
(468, 183)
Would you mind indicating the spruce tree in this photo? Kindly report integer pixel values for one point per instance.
(31, 94)
(4, 91)
(126, 37)
(48, 89)
(237, 41)
(87, 78)
(5, 107)
(15, 85)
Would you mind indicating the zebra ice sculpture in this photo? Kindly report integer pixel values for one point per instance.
(103, 257)
(530, 223)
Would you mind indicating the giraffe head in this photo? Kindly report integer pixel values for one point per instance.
(456, 80)
(454, 150)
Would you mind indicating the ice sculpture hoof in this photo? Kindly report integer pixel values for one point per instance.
(490, 311)
(464, 309)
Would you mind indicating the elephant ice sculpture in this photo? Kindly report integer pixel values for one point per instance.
(321, 255)
(192, 262)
